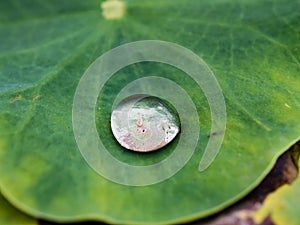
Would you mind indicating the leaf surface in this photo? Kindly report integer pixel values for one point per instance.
(252, 47)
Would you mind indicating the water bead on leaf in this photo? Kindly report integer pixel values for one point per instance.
(144, 124)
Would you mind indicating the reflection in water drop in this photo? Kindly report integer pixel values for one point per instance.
(144, 124)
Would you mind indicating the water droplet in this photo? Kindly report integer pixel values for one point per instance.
(144, 124)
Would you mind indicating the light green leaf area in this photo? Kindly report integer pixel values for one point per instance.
(282, 205)
(10, 216)
(253, 48)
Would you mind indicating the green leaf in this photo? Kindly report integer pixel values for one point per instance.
(11, 216)
(282, 205)
(252, 47)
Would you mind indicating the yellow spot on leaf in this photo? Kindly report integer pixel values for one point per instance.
(113, 9)
(35, 97)
(15, 98)
(287, 105)
(263, 125)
